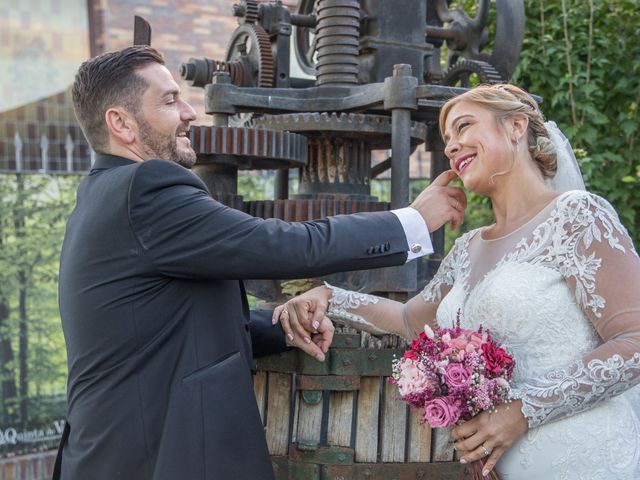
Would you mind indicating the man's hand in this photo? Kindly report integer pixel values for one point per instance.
(439, 203)
(304, 322)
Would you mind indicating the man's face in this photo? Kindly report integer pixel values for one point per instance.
(164, 118)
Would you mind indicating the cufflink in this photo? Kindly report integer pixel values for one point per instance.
(416, 247)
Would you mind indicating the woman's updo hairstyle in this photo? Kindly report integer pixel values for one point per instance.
(506, 101)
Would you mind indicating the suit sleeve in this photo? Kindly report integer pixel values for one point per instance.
(266, 338)
(187, 234)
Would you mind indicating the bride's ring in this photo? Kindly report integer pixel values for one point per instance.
(486, 451)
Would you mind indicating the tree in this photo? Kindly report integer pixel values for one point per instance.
(582, 58)
(32, 230)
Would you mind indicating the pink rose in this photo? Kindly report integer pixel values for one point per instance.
(460, 343)
(476, 340)
(457, 375)
(441, 412)
(411, 379)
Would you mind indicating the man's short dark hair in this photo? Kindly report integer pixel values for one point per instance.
(109, 80)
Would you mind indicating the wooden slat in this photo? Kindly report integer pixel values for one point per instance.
(309, 421)
(394, 425)
(442, 446)
(340, 416)
(419, 438)
(278, 413)
(367, 420)
(260, 390)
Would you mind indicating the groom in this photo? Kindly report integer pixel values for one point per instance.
(154, 313)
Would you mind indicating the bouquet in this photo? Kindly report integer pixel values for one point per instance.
(453, 374)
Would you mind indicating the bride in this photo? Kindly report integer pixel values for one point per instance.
(555, 279)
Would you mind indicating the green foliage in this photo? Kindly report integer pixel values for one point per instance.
(255, 187)
(581, 56)
(32, 222)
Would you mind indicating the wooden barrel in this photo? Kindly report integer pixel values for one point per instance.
(342, 420)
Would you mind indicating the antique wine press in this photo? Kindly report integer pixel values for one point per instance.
(319, 89)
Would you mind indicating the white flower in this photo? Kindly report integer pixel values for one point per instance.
(429, 332)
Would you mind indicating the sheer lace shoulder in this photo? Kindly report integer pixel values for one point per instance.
(454, 266)
(582, 219)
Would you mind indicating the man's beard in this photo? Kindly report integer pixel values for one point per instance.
(163, 146)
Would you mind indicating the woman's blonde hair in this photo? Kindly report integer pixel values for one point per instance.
(506, 101)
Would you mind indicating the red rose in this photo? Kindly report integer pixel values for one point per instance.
(496, 359)
(411, 354)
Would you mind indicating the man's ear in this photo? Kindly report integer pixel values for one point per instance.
(121, 125)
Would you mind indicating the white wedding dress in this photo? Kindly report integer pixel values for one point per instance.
(562, 293)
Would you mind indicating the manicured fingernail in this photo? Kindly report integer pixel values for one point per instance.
(485, 472)
(307, 340)
(320, 357)
(315, 324)
(463, 461)
(290, 337)
(273, 320)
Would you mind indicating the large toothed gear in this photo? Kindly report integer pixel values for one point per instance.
(250, 44)
(249, 148)
(458, 74)
(250, 9)
(374, 128)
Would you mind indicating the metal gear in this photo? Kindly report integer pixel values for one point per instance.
(249, 148)
(459, 73)
(303, 40)
(246, 11)
(468, 37)
(298, 210)
(374, 128)
(250, 45)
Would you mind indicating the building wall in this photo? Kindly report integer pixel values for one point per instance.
(180, 30)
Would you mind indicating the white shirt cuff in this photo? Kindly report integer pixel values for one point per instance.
(416, 231)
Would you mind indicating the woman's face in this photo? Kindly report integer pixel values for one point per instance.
(476, 146)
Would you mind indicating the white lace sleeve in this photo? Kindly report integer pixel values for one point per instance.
(597, 258)
(342, 301)
(380, 315)
(456, 260)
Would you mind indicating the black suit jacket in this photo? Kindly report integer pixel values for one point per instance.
(156, 321)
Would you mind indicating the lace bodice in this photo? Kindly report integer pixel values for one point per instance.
(561, 292)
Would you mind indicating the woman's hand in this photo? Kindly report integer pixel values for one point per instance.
(490, 434)
(304, 322)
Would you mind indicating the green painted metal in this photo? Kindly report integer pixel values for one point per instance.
(328, 382)
(293, 361)
(397, 471)
(312, 397)
(346, 340)
(284, 469)
(322, 455)
(339, 361)
(368, 362)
